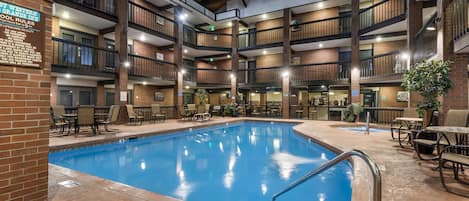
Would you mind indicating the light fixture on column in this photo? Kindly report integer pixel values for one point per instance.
(126, 64)
(142, 37)
(183, 16)
(431, 28)
(183, 71)
(187, 87)
(404, 55)
(232, 76)
(285, 73)
(355, 70)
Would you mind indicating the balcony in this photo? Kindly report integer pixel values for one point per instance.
(425, 40)
(73, 57)
(207, 40)
(308, 74)
(383, 66)
(324, 29)
(151, 68)
(261, 38)
(102, 8)
(223, 15)
(460, 25)
(213, 76)
(382, 14)
(146, 20)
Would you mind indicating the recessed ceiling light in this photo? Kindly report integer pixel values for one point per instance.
(66, 15)
(320, 45)
(144, 83)
(285, 74)
(183, 16)
(264, 16)
(187, 87)
(185, 51)
(404, 55)
(431, 28)
(320, 5)
(183, 71)
(228, 56)
(68, 76)
(264, 52)
(142, 37)
(379, 39)
(230, 24)
(126, 64)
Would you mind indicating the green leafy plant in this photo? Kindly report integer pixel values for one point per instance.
(202, 94)
(429, 79)
(352, 111)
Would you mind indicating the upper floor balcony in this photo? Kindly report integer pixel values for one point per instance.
(101, 8)
(389, 67)
(147, 20)
(206, 40)
(460, 25)
(382, 14)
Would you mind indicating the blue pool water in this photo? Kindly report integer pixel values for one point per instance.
(362, 129)
(246, 161)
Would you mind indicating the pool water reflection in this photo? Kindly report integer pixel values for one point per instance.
(246, 161)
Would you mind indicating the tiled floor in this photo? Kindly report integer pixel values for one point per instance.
(404, 177)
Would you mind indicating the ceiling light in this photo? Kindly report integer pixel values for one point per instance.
(228, 56)
(285, 74)
(264, 16)
(231, 75)
(230, 24)
(183, 16)
(66, 15)
(320, 5)
(126, 64)
(183, 71)
(68, 76)
(320, 45)
(431, 28)
(264, 52)
(379, 39)
(144, 83)
(186, 51)
(405, 55)
(187, 87)
(142, 37)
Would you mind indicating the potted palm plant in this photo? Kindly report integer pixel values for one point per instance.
(430, 79)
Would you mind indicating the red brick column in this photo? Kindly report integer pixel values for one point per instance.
(286, 63)
(234, 59)
(53, 91)
(178, 60)
(24, 121)
(355, 66)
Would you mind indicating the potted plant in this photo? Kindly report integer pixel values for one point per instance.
(351, 112)
(202, 95)
(430, 79)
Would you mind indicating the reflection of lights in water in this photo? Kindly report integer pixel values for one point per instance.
(220, 145)
(186, 152)
(184, 188)
(224, 131)
(228, 179)
(322, 196)
(238, 150)
(143, 165)
(210, 145)
(252, 139)
(276, 144)
(349, 175)
(190, 129)
(287, 163)
(181, 175)
(271, 122)
(263, 189)
(323, 178)
(323, 156)
(232, 162)
(238, 139)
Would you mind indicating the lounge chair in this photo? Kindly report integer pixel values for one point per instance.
(111, 118)
(456, 118)
(458, 155)
(217, 110)
(156, 113)
(191, 109)
(85, 117)
(134, 116)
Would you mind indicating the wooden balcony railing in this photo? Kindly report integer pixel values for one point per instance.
(381, 115)
(206, 39)
(383, 65)
(460, 18)
(149, 67)
(213, 76)
(86, 58)
(105, 6)
(335, 26)
(257, 38)
(381, 12)
(320, 71)
(151, 21)
(268, 75)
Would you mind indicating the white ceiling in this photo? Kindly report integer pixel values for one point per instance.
(81, 17)
(191, 52)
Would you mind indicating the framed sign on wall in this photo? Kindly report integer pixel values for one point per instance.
(21, 36)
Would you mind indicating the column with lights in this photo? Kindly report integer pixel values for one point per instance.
(178, 59)
(286, 64)
(355, 46)
(234, 59)
(120, 97)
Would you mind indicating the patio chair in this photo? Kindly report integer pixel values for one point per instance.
(397, 125)
(111, 118)
(134, 116)
(59, 121)
(85, 117)
(217, 110)
(185, 115)
(458, 156)
(456, 118)
(191, 109)
(156, 113)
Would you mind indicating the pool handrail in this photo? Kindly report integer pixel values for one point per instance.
(376, 188)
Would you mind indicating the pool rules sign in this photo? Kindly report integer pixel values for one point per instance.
(22, 36)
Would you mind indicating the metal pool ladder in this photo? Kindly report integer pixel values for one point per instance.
(376, 188)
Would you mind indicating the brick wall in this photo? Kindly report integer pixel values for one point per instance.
(24, 122)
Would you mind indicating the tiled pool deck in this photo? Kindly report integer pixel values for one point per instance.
(404, 177)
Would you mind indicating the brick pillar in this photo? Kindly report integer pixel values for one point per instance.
(101, 56)
(100, 95)
(234, 59)
(355, 65)
(25, 118)
(121, 29)
(179, 35)
(286, 63)
(53, 91)
(414, 24)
